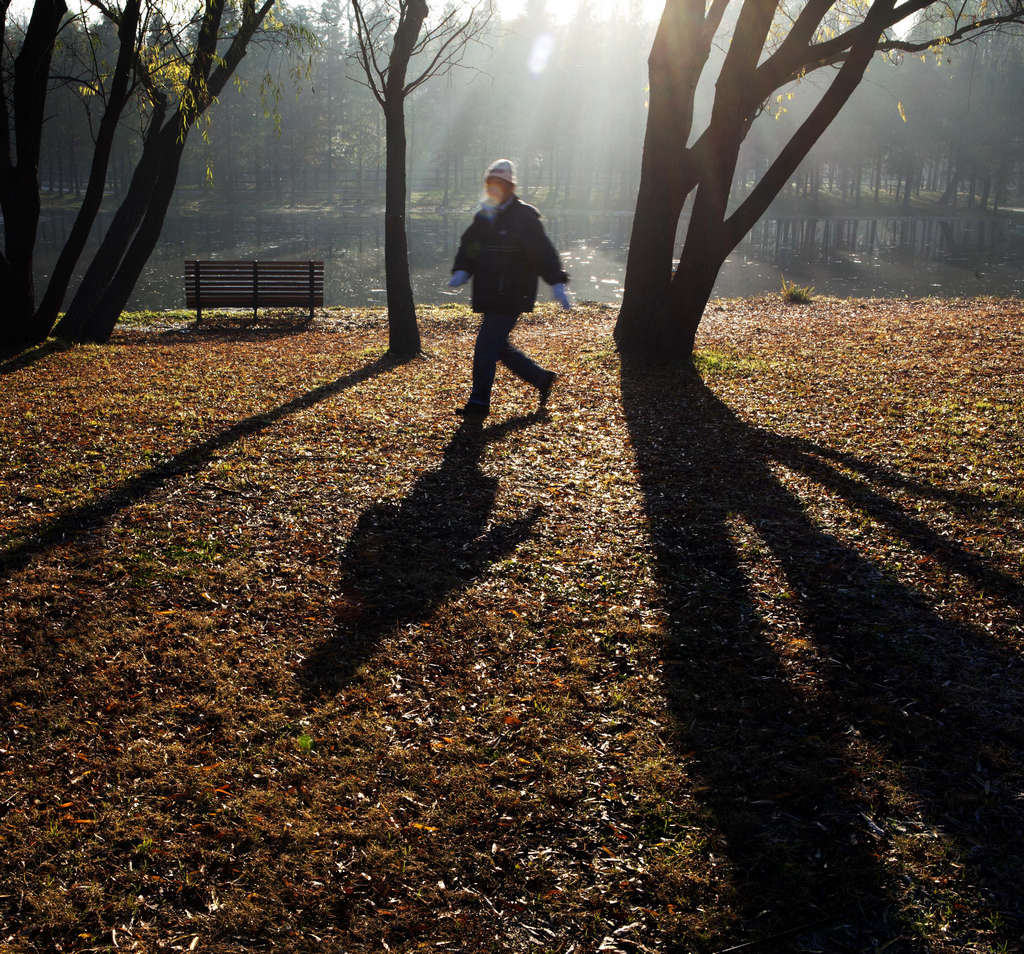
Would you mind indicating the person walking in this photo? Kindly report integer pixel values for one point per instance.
(503, 251)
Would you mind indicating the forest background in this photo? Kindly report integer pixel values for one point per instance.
(566, 98)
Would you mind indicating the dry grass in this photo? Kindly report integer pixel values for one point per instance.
(289, 661)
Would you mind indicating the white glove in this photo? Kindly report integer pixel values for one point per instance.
(458, 278)
(559, 294)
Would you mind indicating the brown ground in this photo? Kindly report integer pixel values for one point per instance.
(288, 661)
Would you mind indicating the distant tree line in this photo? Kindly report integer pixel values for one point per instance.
(567, 101)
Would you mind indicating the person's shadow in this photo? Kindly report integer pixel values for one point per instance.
(857, 751)
(402, 560)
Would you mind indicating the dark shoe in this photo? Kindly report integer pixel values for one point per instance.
(473, 411)
(545, 388)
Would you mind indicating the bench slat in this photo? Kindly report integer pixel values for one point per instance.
(247, 279)
(245, 283)
(247, 262)
(288, 281)
(242, 302)
(269, 289)
(209, 295)
(279, 298)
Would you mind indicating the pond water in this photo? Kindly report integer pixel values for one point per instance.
(846, 256)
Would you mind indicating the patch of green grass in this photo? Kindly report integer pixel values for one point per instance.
(456, 307)
(796, 294)
(717, 364)
(148, 318)
(602, 357)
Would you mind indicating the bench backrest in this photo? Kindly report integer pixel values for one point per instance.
(253, 284)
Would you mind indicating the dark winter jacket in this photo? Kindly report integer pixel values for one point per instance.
(505, 254)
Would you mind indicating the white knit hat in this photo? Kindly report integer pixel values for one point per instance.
(502, 169)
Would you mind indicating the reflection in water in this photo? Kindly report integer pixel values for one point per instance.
(905, 255)
(912, 256)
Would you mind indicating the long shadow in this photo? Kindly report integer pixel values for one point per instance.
(814, 463)
(960, 499)
(17, 359)
(84, 518)
(885, 723)
(402, 560)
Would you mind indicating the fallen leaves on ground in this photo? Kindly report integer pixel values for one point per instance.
(291, 660)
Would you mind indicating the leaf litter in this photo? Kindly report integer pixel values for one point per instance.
(291, 660)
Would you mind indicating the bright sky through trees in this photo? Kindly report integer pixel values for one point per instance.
(564, 10)
(561, 11)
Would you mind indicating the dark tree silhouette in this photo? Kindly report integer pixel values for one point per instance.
(662, 308)
(128, 22)
(22, 112)
(136, 226)
(772, 745)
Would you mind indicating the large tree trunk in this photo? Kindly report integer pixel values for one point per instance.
(99, 323)
(119, 233)
(704, 253)
(46, 314)
(403, 333)
(17, 287)
(678, 54)
(673, 321)
(19, 180)
(648, 323)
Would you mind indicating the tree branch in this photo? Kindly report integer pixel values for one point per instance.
(367, 56)
(952, 39)
(796, 149)
(251, 20)
(713, 20)
(454, 43)
(791, 60)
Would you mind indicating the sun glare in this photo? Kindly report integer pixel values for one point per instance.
(562, 11)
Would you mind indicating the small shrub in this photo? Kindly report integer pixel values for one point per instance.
(797, 294)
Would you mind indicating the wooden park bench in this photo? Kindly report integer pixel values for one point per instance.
(255, 285)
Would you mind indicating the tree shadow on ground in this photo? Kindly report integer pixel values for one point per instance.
(864, 772)
(402, 560)
(16, 359)
(85, 518)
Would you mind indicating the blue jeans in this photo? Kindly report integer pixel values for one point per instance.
(491, 347)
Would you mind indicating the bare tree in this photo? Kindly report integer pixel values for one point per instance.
(433, 49)
(179, 65)
(128, 22)
(178, 99)
(773, 43)
(23, 89)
